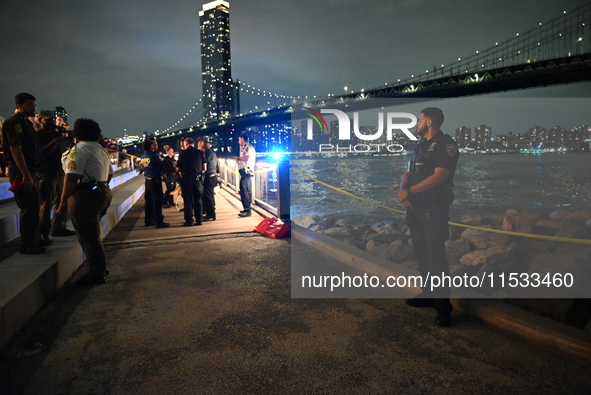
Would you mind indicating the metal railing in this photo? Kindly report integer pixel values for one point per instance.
(270, 184)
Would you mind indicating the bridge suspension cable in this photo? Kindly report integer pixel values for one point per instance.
(175, 125)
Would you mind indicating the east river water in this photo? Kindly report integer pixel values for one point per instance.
(484, 185)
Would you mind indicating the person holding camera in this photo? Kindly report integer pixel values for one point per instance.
(87, 196)
(246, 163)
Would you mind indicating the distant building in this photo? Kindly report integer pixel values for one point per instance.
(539, 136)
(463, 136)
(220, 91)
(482, 135)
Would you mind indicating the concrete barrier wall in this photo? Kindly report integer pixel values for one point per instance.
(27, 281)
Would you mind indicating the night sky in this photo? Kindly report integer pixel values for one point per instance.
(135, 65)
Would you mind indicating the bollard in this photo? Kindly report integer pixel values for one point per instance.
(283, 190)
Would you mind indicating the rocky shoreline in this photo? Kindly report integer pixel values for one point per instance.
(474, 252)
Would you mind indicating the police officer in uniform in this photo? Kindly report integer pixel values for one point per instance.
(19, 140)
(153, 194)
(426, 193)
(192, 165)
(210, 180)
(49, 171)
(246, 162)
(87, 196)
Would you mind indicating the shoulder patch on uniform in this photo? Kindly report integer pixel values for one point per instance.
(451, 149)
(18, 128)
(73, 154)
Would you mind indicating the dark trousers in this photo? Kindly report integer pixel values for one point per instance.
(209, 195)
(192, 195)
(153, 201)
(27, 199)
(429, 230)
(86, 208)
(245, 189)
(47, 191)
(170, 183)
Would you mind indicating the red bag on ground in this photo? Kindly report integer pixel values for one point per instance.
(272, 227)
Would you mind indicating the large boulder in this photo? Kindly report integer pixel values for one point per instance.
(337, 232)
(471, 219)
(389, 237)
(516, 221)
(483, 239)
(380, 228)
(457, 248)
(559, 214)
(371, 244)
(491, 256)
(574, 230)
(396, 251)
(554, 224)
(568, 229)
(581, 217)
(306, 220)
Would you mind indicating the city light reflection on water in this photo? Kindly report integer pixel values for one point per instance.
(485, 185)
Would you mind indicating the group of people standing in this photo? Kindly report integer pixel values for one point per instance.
(48, 170)
(33, 144)
(195, 171)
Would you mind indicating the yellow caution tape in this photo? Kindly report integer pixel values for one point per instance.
(528, 235)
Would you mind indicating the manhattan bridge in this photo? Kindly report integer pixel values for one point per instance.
(551, 53)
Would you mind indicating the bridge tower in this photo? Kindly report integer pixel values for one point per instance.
(220, 93)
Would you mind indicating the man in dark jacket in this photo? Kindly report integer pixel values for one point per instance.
(192, 165)
(210, 180)
(50, 170)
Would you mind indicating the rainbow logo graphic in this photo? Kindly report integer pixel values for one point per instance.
(319, 119)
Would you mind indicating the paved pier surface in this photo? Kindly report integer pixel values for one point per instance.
(198, 312)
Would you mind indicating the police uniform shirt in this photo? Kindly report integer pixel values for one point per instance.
(440, 151)
(89, 159)
(249, 150)
(152, 164)
(17, 130)
(191, 161)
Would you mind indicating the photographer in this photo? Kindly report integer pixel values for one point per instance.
(87, 195)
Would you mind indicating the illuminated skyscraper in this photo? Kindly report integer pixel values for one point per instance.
(220, 92)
